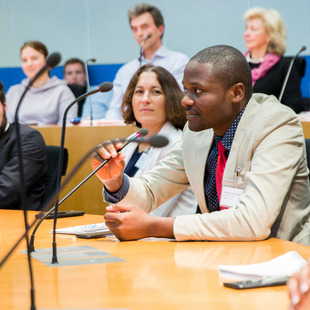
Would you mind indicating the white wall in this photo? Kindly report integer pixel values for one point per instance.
(100, 29)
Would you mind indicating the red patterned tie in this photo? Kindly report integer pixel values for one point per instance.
(221, 163)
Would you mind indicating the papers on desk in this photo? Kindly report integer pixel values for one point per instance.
(83, 229)
(283, 266)
(304, 116)
(102, 122)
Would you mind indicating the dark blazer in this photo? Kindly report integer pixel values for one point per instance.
(271, 83)
(35, 167)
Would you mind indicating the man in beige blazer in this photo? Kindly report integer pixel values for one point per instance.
(265, 187)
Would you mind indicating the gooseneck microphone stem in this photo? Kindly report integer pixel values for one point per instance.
(51, 62)
(142, 132)
(45, 207)
(107, 86)
(289, 71)
(88, 88)
(24, 196)
(64, 183)
(141, 49)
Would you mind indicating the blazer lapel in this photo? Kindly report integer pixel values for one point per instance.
(196, 148)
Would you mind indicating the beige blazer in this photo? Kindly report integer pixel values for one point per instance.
(269, 153)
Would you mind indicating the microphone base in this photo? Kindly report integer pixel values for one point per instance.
(54, 258)
(60, 214)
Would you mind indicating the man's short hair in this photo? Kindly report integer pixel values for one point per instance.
(146, 8)
(74, 61)
(229, 66)
(2, 94)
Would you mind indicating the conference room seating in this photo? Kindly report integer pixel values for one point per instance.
(308, 152)
(53, 157)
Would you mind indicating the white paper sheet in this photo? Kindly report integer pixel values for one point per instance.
(282, 266)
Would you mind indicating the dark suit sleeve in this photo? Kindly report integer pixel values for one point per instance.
(34, 163)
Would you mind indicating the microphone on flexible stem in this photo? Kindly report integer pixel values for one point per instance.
(289, 71)
(160, 141)
(141, 49)
(141, 133)
(88, 87)
(51, 62)
(157, 142)
(104, 87)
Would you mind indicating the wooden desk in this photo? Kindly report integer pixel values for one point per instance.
(306, 129)
(79, 140)
(154, 275)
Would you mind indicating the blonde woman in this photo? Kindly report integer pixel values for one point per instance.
(265, 40)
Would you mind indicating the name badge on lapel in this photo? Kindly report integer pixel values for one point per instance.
(231, 193)
(142, 161)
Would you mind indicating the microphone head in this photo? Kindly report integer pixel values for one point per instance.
(105, 87)
(303, 48)
(90, 59)
(148, 36)
(142, 132)
(53, 60)
(158, 141)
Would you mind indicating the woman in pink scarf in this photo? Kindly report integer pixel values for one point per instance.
(265, 40)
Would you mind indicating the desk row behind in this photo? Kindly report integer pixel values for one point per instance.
(79, 140)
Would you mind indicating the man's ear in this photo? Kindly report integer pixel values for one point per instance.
(161, 28)
(238, 92)
(5, 106)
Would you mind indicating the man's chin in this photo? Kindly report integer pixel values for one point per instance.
(194, 126)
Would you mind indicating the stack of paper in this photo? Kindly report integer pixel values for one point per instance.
(283, 266)
(83, 229)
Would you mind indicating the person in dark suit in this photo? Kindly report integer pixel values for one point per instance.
(265, 40)
(34, 160)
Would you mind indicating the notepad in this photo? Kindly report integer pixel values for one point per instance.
(282, 266)
(83, 229)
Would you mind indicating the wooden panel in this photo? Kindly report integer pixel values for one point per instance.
(306, 129)
(79, 140)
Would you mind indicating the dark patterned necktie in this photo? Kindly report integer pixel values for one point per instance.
(209, 179)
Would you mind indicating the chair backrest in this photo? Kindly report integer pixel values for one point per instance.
(78, 90)
(308, 152)
(53, 157)
(299, 64)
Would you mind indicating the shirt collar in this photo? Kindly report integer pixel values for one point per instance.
(250, 60)
(229, 135)
(7, 126)
(162, 52)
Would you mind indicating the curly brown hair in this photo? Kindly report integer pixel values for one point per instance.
(175, 113)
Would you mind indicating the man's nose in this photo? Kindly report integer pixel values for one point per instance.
(140, 32)
(187, 100)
